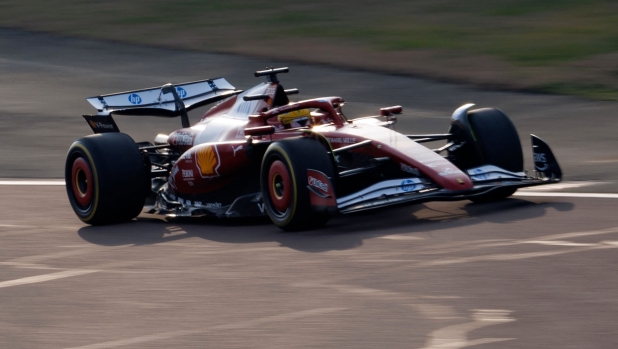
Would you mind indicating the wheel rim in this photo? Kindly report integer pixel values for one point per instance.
(81, 181)
(279, 186)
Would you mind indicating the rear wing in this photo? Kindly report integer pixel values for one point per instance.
(168, 100)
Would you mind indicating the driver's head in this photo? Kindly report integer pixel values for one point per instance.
(296, 118)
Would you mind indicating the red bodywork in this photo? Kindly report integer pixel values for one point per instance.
(213, 148)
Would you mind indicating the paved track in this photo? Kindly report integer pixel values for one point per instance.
(529, 272)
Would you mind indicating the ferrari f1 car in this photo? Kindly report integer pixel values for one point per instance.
(257, 153)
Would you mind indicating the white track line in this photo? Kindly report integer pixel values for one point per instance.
(519, 193)
(45, 277)
(456, 336)
(567, 195)
(216, 329)
(564, 185)
(32, 182)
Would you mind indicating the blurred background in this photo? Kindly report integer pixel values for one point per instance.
(566, 47)
(552, 66)
(532, 271)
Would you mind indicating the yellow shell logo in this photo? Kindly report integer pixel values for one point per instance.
(208, 161)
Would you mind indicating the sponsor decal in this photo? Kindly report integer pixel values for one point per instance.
(240, 133)
(407, 185)
(181, 138)
(187, 175)
(212, 205)
(96, 124)
(460, 181)
(235, 149)
(449, 171)
(479, 175)
(542, 160)
(101, 123)
(189, 203)
(244, 107)
(181, 200)
(261, 206)
(197, 203)
(410, 169)
(342, 140)
(270, 91)
(208, 161)
(134, 98)
(182, 93)
(320, 191)
(316, 183)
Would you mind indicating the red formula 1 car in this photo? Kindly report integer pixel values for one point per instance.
(256, 153)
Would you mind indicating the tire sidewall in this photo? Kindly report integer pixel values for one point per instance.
(279, 151)
(120, 181)
(298, 155)
(79, 150)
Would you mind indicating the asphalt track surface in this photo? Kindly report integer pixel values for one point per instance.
(528, 272)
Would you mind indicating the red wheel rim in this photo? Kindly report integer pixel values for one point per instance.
(279, 186)
(81, 181)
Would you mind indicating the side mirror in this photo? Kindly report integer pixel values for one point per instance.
(397, 109)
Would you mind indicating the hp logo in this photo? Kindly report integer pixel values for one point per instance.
(182, 93)
(134, 98)
(407, 185)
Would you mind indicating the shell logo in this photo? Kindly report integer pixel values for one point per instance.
(208, 161)
(92, 124)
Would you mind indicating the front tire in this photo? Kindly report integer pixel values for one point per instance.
(491, 139)
(496, 139)
(107, 178)
(284, 182)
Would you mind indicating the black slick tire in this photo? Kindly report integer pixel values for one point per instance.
(283, 180)
(497, 143)
(107, 178)
(496, 139)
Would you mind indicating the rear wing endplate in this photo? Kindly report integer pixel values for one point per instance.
(168, 100)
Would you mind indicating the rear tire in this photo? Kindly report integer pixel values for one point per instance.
(107, 178)
(284, 182)
(494, 142)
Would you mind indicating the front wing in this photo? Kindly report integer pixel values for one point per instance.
(486, 179)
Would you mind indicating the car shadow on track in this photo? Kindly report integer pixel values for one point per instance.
(341, 233)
